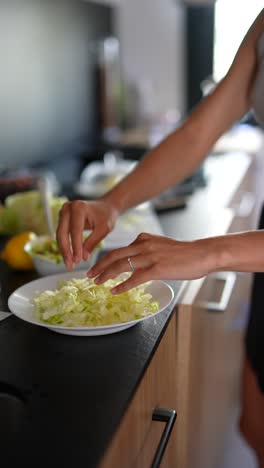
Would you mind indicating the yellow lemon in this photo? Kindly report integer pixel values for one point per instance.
(14, 254)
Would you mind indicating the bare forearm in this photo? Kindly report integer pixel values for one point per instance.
(180, 153)
(158, 257)
(243, 252)
(167, 164)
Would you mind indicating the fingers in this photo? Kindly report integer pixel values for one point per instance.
(140, 264)
(76, 231)
(70, 231)
(91, 242)
(117, 257)
(76, 216)
(135, 248)
(62, 236)
(143, 272)
(116, 268)
(137, 278)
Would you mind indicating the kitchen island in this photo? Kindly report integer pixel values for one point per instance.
(72, 391)
(63, 398)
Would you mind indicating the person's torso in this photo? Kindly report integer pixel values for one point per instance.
(257, 96)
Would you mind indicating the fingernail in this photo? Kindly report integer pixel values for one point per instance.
(97, 280)
(114, 291)
(76, 258)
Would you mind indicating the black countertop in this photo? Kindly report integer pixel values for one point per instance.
(62, 397)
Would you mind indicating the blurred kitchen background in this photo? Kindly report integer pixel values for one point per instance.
(82, 79)
(88, 87)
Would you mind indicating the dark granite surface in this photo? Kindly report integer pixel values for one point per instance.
(62, 397)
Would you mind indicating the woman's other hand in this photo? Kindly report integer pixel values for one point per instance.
(77, 216)
(155, 257)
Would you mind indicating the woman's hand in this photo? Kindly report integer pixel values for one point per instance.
(154, 257)
(76, 216)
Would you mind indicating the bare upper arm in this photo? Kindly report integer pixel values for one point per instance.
(231, 98)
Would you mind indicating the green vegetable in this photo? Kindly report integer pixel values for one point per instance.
(49, 249)
(24, 212)
(80, 302)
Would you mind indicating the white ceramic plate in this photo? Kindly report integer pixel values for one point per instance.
(20, 303)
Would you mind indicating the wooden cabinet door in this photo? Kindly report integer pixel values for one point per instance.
(135, 442)
(210, 352)
(212, 317)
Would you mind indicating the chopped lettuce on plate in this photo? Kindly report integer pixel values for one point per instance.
(80, 302)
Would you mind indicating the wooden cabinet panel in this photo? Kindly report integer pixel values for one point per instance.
(211, 323)
(135, 442)
(212, 366)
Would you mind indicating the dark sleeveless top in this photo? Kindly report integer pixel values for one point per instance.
(255, 329)
(257, 96)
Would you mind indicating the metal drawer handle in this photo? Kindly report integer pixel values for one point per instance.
(229, 278)
(246, 205)
(169, 417)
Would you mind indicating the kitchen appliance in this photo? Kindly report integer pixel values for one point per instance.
(100, 176)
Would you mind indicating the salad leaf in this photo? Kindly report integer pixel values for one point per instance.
(80, 302)
(49, 249)
(23, 212)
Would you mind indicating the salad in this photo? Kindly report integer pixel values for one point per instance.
(80, 302)
(49, 249)
(23, 212)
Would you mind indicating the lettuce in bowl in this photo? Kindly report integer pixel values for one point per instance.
(47, 258)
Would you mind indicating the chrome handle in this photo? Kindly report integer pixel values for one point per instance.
(246, 205)
(229, 278)
(167, 416)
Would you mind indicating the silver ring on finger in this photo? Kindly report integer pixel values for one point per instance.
(130, 264)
